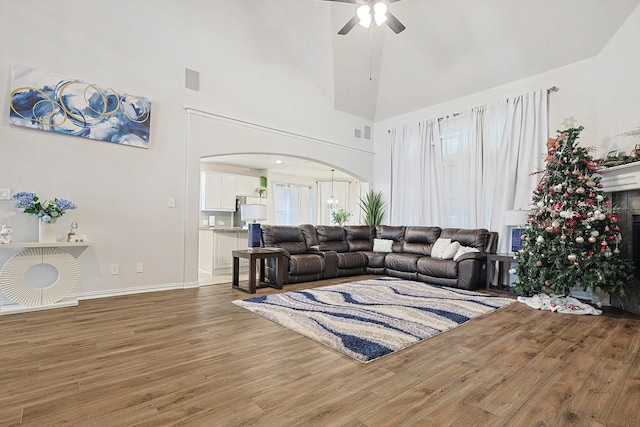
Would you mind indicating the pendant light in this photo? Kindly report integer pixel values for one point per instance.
(332, 202)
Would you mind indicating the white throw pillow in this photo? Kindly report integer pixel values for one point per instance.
(382, 245)
(439, 247)
(464, 250)
(451, 250)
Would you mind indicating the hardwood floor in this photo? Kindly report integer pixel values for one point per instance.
(190, 357)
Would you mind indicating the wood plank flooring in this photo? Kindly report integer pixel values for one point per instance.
(190, 357)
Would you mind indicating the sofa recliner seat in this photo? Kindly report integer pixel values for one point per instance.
(333, 238)
(413, 243)
(299, 265)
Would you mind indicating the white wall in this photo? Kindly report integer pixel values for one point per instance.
(602, 93)
(143, 47)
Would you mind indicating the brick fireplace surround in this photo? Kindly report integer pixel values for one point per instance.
(623, 184)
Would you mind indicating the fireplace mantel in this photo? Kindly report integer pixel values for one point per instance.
(621, 178)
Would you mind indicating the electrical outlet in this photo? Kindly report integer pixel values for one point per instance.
(139, 267)
(5, 194)
(171, 202)
(115, 269)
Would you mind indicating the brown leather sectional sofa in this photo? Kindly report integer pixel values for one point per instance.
(323, 252)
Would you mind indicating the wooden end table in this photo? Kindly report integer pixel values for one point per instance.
(253, 255)
(504, 265)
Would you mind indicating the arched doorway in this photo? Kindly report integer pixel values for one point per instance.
(297, 191)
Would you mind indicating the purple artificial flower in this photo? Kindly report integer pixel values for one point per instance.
(64, 204)
(24, 199)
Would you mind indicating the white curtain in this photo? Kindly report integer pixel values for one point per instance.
(435, 212)
(292, 204)
(492, 132)
(340, 192)
(407, 176)
(462, 159)
(521, 154)
(468, 170)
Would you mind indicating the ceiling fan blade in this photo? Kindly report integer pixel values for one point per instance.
(394, 24)
(349, 25)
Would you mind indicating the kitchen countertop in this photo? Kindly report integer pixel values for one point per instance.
(226, 229)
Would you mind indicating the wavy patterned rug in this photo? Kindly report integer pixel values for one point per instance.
(371, 318)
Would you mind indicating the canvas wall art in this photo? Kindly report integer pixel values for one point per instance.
(74, 107)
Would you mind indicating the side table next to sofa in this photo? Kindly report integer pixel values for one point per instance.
(253, 255)
(502, 274)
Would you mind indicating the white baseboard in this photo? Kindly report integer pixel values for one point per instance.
(16, 308)
(136, 290)
(190, 285)
(8, 307)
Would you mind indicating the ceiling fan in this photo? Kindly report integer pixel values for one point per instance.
(363, 16)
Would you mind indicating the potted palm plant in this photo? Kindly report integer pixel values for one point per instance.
(372, 207)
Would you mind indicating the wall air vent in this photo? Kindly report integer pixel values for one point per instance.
(367, 132)
(191, 79)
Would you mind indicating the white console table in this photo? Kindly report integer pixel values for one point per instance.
(27, 297)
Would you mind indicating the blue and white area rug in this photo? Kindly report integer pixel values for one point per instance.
(372, 318)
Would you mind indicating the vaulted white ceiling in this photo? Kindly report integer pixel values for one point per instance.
(453, 48)
(450, 49)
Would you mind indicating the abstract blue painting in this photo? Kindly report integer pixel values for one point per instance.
(74, 107)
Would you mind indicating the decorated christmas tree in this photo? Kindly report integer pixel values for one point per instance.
(572, 236)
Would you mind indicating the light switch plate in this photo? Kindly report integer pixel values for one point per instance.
(5, 194)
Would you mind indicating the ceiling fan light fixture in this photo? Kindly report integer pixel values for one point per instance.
(364, 14)
(380, 13)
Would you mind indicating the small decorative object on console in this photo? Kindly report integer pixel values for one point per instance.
(73, 237)
(5, 233)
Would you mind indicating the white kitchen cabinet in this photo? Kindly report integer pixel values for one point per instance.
(247, 185)
(205, 253)
(215, 246)
(223, 244)
(217, 192)
(228, 193)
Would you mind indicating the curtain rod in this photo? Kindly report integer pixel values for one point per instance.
(553, 88)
